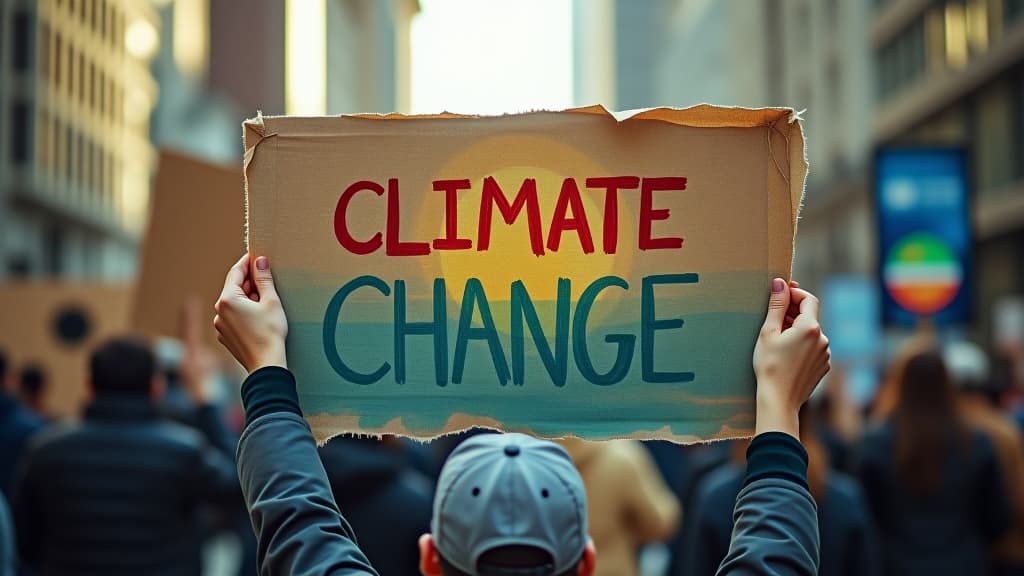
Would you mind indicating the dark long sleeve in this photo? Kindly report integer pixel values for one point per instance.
(775, 527)
(299, 529)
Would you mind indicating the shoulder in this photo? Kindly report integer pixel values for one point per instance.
(845, 494)
(718, 490)
(53, 437)
(623, 456)
(175, 435)
(1001, 430)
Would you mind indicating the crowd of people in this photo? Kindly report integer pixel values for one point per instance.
(926, 479)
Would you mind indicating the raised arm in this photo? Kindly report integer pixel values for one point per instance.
(775, 529)
(299, 529)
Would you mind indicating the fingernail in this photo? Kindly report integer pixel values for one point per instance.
(262, 263)
(778, 285)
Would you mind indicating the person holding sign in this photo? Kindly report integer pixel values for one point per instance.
(301, 530)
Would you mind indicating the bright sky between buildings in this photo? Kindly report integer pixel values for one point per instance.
(492, 56)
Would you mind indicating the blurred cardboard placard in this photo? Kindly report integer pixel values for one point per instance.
(192, 239)
(56, 325)
(560, 273)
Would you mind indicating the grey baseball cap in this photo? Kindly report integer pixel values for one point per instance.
(499, 490)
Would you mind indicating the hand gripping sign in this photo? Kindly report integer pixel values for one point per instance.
(560, 273)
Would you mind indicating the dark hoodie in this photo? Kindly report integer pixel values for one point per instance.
(386, 501)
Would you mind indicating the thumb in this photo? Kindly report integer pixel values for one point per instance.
(778, 304)
(264, 279)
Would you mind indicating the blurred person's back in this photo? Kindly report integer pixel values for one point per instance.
(969, 369)
(387, 502)
(629, 503)
(118, 493)
(849, 545)
(17, 425)
(933, 484)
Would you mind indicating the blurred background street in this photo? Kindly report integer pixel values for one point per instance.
(92, 90)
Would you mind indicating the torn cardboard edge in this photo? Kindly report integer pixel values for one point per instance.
(327, 426)
(785, 178)
(255, 132)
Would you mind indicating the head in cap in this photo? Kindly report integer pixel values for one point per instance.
(508, 505)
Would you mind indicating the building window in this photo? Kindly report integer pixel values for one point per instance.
(101, 173)
(43, 140)
(1014, 9)
(53, 249)
(70, 70)
(69, 158)
(81, 77)
(1017, 104)
(56, 147)
(113, 26)
(992, 136)
(58, 50)
(86, 171)
(80, 172)
(92, 86)
(21, 52)
(21, 133)
(903, 60)
(44, 50)
(102, 81)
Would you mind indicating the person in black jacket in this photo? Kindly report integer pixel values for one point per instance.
(932, 483)
(118, 493)
(17, 425)
(388, 502)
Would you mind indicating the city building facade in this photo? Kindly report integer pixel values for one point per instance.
(952, 73)
(75, 156)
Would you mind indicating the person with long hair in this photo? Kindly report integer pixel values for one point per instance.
(933, 484)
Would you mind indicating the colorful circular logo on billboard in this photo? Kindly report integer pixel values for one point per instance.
(922, 274)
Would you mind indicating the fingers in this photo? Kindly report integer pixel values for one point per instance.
(264, 279)
(236, 276)
(807, 303)
(778, 304)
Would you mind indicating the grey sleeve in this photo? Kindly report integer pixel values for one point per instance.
(775, 531)
(298, 527)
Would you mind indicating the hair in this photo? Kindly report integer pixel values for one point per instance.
(509, 557)
(33, 381)
(818, 463)
(124, 365)
(3, 368)
(926, 423)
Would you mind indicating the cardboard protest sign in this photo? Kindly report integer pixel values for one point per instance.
(192, 239)
(56, 326)
(560, 273)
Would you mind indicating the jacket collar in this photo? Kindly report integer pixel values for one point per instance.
(121, 407)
